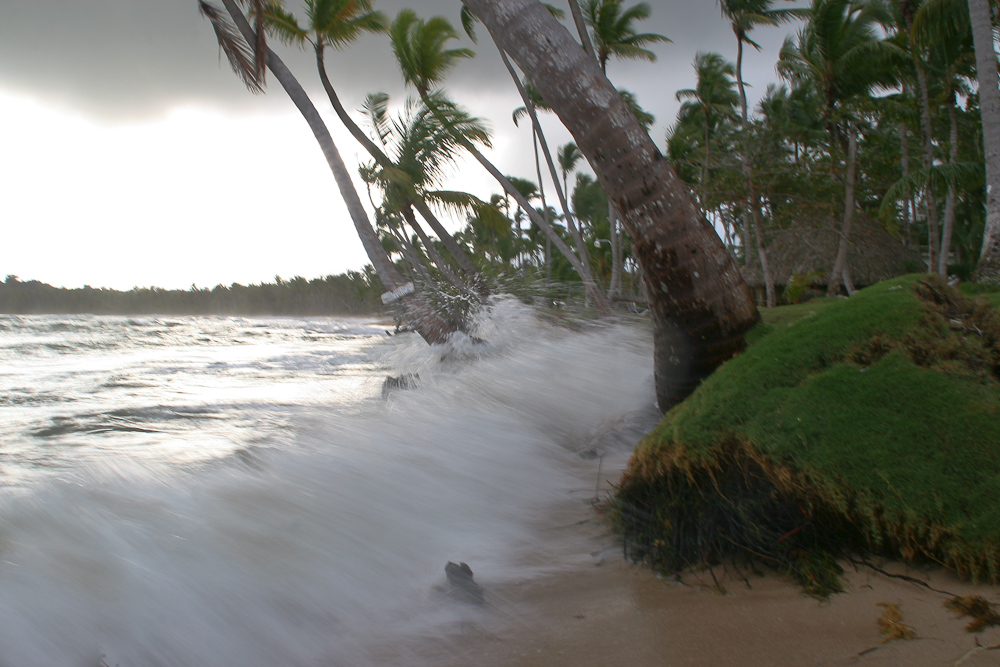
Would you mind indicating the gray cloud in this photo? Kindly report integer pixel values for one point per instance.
(121, 59)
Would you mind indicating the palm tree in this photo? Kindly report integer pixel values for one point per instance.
(951, 57)
(614, 34)
(700, 305)
(988, 270)
(335, 24)
(713, 99)
(744, 16)
(839, 52)
(613, 31)
(421, 50)
(422, 151)
(569, 156)
(236, 41)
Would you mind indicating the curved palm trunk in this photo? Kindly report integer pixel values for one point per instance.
(428, 324)
(700, 305)
(988, 269)
(461, 257)
(840, 263)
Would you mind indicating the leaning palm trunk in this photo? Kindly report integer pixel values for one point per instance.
(425, 321)
(988, 269)
(590, 287)
(701, 307)
(435, 256)
(461, 257)
(581, 248)
(840, 263)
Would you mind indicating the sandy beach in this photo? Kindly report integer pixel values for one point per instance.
(596, 609)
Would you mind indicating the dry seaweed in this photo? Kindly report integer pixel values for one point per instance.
(979, 609)
(890, 623)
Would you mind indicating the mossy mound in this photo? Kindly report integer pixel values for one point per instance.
(870, 424)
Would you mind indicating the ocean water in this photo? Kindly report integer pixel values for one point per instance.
(236, 491)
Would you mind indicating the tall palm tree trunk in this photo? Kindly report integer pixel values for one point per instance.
(948, 224)
(929, 199)
(615, 287)
(988, 269)
(840, 263)
(427, 323)
(461, 257)
(700, 305)
(752, 196)
(904, 158)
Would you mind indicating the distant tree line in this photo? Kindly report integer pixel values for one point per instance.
(351, 293)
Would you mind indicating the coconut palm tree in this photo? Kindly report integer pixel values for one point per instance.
(335, 24)
(700, 306)
(569, 156)
(421, 50)
(951, 58)
(423, 150)
(988, 270)
(713, 99)
(840, 53)
(744, 16)
(236, 39)
(614, 34)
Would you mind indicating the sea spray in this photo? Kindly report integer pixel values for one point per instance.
(317, 548)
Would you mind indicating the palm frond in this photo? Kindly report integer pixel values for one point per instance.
(469, 21)
(938, 176)
(376, 111)
(240, 54)
(284, 25)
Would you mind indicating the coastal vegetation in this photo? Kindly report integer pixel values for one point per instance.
(351, 293)
(872, 143)
(848, 427)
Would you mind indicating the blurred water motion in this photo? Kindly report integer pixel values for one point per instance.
(224, 491)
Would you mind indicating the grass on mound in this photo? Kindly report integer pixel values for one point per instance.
(869, 424)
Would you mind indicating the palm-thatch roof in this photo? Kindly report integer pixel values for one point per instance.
(811, 247)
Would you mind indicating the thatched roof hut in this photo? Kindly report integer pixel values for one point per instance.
(874, 254)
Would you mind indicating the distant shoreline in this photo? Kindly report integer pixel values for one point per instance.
(347, 294)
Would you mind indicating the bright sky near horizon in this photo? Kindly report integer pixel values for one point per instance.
(132, 157)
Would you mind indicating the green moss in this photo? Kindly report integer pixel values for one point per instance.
(877, 416)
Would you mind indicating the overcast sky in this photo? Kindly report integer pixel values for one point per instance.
(130, 155)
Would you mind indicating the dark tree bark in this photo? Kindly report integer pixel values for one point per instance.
(700, 305)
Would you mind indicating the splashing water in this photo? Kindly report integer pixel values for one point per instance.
(308, 520)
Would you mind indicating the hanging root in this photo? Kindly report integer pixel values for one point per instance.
(731, 510)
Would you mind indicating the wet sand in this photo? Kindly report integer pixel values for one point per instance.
(594, 609)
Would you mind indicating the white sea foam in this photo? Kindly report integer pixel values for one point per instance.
(315, 550)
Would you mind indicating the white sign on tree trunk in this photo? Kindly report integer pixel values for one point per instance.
(399, 292)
